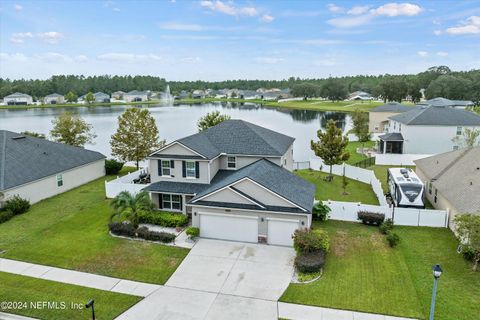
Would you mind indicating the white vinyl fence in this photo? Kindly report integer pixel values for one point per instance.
(391, 159)
(125, 183)
(348, 211)
(352, 172)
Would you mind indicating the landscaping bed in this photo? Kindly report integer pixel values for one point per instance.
(356, 191)
(70, 231)
(16, 288)
(363, 273)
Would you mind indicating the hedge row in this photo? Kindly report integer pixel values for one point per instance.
(128, 230)
(164, 219)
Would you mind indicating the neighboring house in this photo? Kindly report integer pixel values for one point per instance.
(442, 102)
(17, 98)
(36, 169)
(360, 95)
(378, 117)
(271, 96)
(452, 180)
(135, 96)
(249, 95)
(235, 182)
(118, 95)
(427, 130)
(198, 94)
(182, 95)
(54, 98)
(99, 97)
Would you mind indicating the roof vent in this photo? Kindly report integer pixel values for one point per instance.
(18, 137)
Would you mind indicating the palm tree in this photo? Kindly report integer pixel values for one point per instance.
(131, 205)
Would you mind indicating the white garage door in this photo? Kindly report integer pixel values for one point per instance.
(280, 231)
(229, 227)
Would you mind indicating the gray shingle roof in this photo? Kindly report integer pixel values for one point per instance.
(18, 95)
(270, 176)
(393, 136)
(238, 137)
(456, 175)
(53, 95)
(24, 159)
(136, 93)
(442, 102)
(176, 187)
(392, 107)
(437, 116)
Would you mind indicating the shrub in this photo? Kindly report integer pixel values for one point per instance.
(5, 215)
(368, 217)
(146, 234)
(164, 219)
(321, 211)
(468, 253)
(386, 226)
(193, 232)
(393, 239)
(310, 262)
(306, 241)
(113, 166)
(16, 205)
(122, 229)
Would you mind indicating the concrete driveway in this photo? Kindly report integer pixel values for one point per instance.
(238, 269)
(221, 280)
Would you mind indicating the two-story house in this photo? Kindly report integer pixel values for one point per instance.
(235, 181)
(427, 130)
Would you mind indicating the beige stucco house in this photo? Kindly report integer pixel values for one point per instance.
(378, 117)
(36, 169)
(235, 181)
(452, 180)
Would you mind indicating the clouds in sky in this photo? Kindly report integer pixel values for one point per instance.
(425, 54)
(360, 15)
(51, 37)
(18, 7)
(229, 8)
(469, 26)
(20, 37)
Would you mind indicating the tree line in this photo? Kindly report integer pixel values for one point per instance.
(438, 81)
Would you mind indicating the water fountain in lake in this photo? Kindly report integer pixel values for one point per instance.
(166, 97)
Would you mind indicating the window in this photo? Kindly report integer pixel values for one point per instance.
(59, 180)
(459, 131)
(435, 199)
(190, 169)
(171, 201)
(166, 168)
(430, 187)
(400, 127)
(455, 147)
(231, 162)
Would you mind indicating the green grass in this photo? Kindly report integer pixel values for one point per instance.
(357, 191)
(363, 273)
(16, 288)
(70, 231)
(352, 149)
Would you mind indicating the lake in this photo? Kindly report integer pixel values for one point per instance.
(178, 121)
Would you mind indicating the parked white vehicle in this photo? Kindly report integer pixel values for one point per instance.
(406, 188)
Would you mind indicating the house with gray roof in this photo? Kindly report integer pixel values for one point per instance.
(427, 130)
(100, 97)
(54, 98)
(17, 98)
(442, 102)
(36, 169)
(452, 180)
(360, 95)
(135, 96)
(378, 117)
(235, 182)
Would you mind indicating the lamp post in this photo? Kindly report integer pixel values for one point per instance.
(90, 304)
(437, 272)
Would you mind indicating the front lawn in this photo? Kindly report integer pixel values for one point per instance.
(357, 191)
(363, 273)
(70, 231)
(26, 290)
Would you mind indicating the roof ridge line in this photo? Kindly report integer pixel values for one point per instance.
(451, 164)
(248, 125)
(3, 159)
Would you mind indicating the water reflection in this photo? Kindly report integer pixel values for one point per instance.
(178, 121)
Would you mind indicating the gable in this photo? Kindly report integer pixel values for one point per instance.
(227, 195)
(262, 194)
(176, 148)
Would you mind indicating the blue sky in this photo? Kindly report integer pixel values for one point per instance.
(219, 40)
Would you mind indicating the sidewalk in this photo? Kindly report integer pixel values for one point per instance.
(77, 278)
(285, 310)
(11, 316)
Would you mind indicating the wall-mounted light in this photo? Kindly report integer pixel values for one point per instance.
(303, 223)
(227, 210)
(195, 214)
(261, 219)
